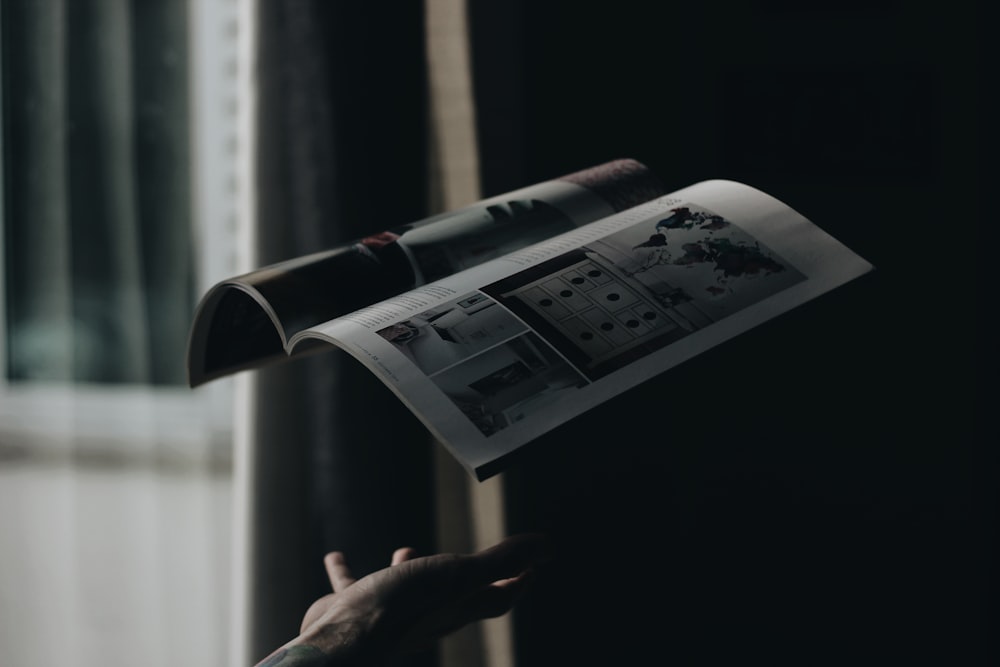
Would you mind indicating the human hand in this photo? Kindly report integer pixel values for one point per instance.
(410, 604)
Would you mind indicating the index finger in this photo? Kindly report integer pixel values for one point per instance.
(338, 571)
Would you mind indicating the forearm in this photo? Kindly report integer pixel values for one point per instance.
(301, 655)
(333, 645)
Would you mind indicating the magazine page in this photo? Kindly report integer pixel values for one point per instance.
(248, 319)
(493, 357)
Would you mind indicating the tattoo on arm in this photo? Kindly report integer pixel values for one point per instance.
(295, 656)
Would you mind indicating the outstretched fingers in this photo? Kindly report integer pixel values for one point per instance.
(337, 570)
(340, 574)
(506, 563)
(496, 599)
(403, 554)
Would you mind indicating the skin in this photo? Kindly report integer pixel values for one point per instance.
(409, 605)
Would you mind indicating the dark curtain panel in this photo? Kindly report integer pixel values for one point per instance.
(812, 493)
(339, 463)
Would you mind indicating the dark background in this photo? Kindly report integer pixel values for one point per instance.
(814, 492)
(817, 491)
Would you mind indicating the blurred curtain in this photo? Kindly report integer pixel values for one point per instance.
(113, 492)
(99, 282)
(335, 461)
(366, 122)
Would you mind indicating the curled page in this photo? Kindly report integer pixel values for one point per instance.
(492, 357)
(246, 322)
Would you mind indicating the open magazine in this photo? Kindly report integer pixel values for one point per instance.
(523, 311)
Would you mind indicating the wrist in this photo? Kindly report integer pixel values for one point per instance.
(295, 655)
(342, 644)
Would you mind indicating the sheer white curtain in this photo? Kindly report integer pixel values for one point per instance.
(115, 479)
